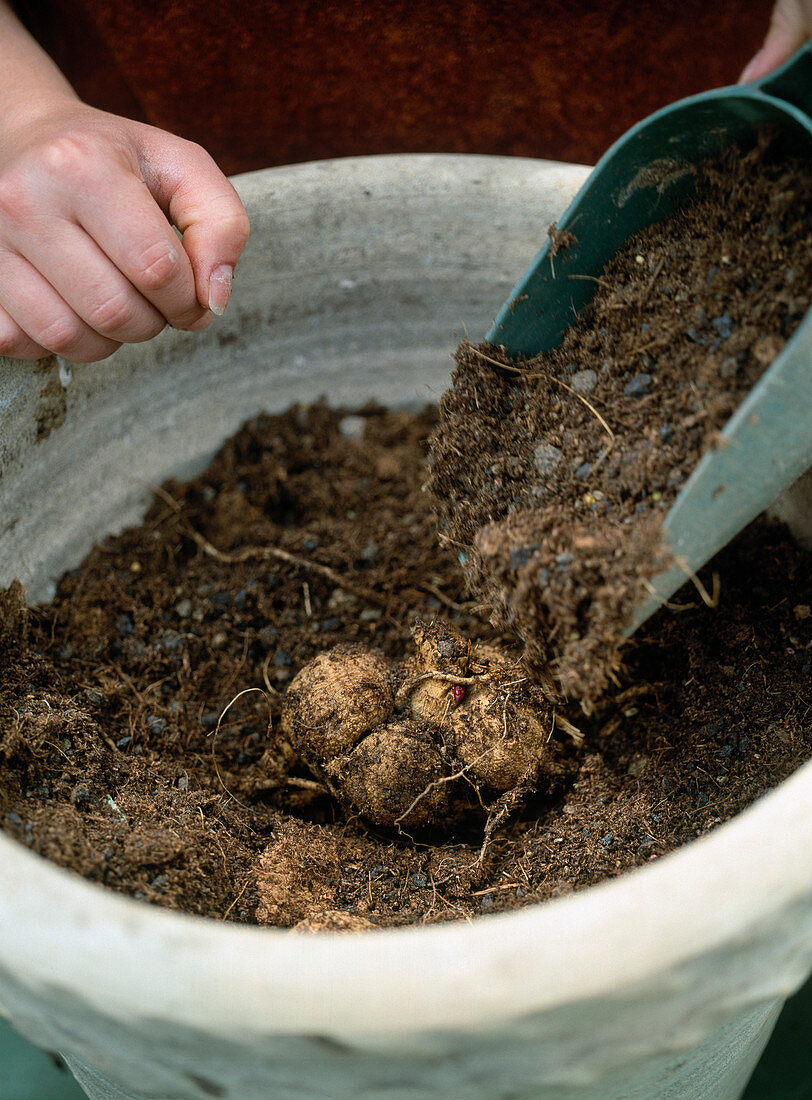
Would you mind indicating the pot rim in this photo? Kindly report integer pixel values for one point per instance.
(730, 886)
(57, 928)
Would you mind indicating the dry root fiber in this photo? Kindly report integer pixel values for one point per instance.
(425, 742)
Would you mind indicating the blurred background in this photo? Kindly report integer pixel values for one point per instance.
(273, 82)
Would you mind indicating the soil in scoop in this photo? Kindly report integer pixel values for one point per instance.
(309, 530)
(552, 476)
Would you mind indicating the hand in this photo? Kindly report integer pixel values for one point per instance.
(790, 26)
(88, 256)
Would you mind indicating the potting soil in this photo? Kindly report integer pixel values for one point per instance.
(140, 741)
(552, 476)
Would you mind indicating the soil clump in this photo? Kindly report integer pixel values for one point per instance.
(551, 476)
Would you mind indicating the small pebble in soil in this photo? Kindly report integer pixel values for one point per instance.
(723, 325)
(638, 386)
(546, 457)
(352, 427)
(584, 381)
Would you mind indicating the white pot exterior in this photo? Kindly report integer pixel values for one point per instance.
(358, 280)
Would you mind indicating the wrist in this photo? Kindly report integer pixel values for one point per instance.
(32, 85)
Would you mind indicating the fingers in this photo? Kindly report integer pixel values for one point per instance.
(133, 233)
(790, 25)
(15, 343)
(35, 319)
(96, 185)
(89, 257)
(95, 289)
(207, 210)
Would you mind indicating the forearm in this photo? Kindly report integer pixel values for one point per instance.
(31, 81)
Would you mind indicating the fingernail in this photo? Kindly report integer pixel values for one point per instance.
(220, 288)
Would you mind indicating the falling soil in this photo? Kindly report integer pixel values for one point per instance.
(552, 476)
(147, 737)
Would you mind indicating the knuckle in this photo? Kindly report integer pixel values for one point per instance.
(230, 222)
(239, 227)
(68, 159)
(119, 317)
(61, 335)
(195, 150)
(15, 196)
(13, 344)
(157, 267)
(68, 155)
(112, 315)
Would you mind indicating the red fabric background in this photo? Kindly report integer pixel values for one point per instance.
(268, 82)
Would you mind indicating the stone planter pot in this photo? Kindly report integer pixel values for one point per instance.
(358, 279)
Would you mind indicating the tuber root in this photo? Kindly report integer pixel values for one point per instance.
(423, 742)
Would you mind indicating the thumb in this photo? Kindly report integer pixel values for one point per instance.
(789, 29)
(207, 211)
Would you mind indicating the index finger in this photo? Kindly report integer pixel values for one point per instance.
(132, 230)
(207, 210)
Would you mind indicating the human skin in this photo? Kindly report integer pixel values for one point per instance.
(89, 208)
(790, 26)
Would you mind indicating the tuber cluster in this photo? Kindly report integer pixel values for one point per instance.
(422, 742)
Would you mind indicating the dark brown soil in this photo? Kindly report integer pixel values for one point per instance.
(552, 476)
(140, 712)
(113, 765)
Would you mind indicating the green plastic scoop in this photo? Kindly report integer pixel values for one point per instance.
(642, 179)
